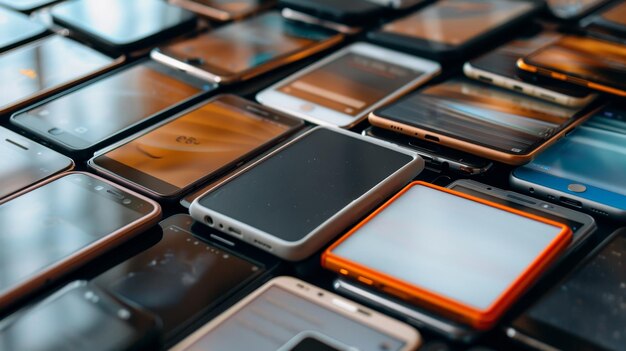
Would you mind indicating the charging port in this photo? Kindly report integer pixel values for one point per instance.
(571, 202)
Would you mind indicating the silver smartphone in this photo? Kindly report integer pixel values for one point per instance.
(24, 163)
(274, 315)
(302, 195)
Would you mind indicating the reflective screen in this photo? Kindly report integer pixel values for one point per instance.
(351, 83)
(482, 114)
(178, 268)
(50, 223)
(444, 244)
(591, 303)
(49, 63)
(108, 106)
(25, 4)
(24, 162)
(234, 7)
(454, 22)
(590, 59)
(195, 145)
(243, 45)
(601, 143)
(569, 8)
(616, 14)
(277, 315)
(71, 323)
(303, 185)
(15, 28)
(311, 344)
(121, 21)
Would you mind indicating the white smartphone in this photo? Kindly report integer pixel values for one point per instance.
(274, 316)
(343, 88)
(296, 199)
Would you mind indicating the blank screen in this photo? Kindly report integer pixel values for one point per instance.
(291, 193)
(455, 247)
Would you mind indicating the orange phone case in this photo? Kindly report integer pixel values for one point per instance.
(477, 318)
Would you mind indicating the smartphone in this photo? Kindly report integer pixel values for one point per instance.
(300, 196)
(113, 26)
(275, 313)
(452, 29)
(480, 119)
(349, 12)
(225, 10)
(572, 10)
(26, 5)
(499, 67)
(17, 29)
(89, 116)
(245, 49)
(436, 156)
(584, 169)
(612, 20)
(191, 264)
(79, 316)
(50, 230)
(343, 88)
(24, 163)
(585, 61)
(47, 66)
(470, 259)
(585, 310)
(194, 146)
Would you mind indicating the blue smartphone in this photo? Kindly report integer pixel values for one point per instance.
(584, 170)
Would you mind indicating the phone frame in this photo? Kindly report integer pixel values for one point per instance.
(216, 14)
(480, 319)
(56, 270)
(318, 237)
(323, 298)
(322, 115)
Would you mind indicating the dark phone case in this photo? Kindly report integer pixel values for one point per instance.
(350, 12)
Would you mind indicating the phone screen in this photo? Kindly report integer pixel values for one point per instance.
(192, 146)
(277, 315)
(46, 64)
(351, 83)
(105, 107)
(52, 222)
(588, 306)
(312, 344)
(482, 114)
(616, 14)
(235, 8)
(243, 45)
(601, 143)
(454, 22)
(568, 9)
(448, 250)
(586, 58)
(304, 184)
(180, 267)
(15, 28)
(25, 5)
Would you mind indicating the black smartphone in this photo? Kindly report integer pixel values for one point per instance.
(17, 29)
(85, 118)
(437, 157)
(225, 10)
(24, 163)
(194, 146)
(77, 317)
(350, 12)
(189, 272)
(452, 29)
(120, 26)
(586, 310)
(26, 5)
(37, 70)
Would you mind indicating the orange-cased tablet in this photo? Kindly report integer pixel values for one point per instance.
(483, 280)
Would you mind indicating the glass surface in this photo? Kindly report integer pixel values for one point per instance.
(482, 114)
(276, 316)
(444, 244)
(235, 8)
(179, 268)
(46, 64)
(50, 223)
(351, 83)
(572, 8)
(196, 144)
(102, 109)
(454, 22)
(312, 344)
(593, 154)
(25, 5)
(616, 14)
(587, 58)
(15, 27)
(121, 21)
(591, 303)
(243, 45)
(293, 192)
